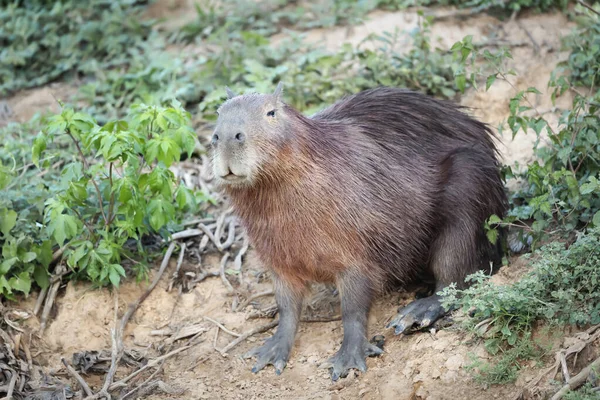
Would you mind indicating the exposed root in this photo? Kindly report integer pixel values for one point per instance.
(578, 380)
(77, 377)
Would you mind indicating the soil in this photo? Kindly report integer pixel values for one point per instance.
(419, 366)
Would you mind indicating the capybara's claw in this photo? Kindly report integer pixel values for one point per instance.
(350, 357)
(274, 351)
(417, 315)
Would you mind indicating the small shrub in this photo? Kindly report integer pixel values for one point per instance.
(115, 187)
(562, 287)
(41, 40)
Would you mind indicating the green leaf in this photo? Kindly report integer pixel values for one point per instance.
(492, 235)
(39, 145)
(28, 257)
(21, 282)
(461, 82)
(490, 81)
(63, 227)
(596, 219)
(7, 264)
(8, 220)
(41, 276)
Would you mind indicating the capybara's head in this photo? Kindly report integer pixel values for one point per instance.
(249, 133)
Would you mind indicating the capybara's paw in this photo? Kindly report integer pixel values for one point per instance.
(349, 357)
(417, 315)
(275, 351)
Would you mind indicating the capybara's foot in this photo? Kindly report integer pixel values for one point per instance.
(417, 315)
(275, 351)
(349, 357)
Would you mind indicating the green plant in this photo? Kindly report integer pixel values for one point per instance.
(511, 5)
(562, 190)
(586, 392)
(40, 41)
(115, 187)
(562, 287)
(507, 363)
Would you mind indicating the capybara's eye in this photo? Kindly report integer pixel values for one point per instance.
(271, 113)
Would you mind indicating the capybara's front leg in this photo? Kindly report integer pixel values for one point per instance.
(276, 349)
(356, 292)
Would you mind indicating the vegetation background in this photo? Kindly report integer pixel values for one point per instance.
(105, 110)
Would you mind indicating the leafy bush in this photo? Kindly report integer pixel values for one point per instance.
(41, 40)
(512, 5)
(562, 287)
(562, 187)
(115, 187)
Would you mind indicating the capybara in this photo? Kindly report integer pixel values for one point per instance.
(384, 187)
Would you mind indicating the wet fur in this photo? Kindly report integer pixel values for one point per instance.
(385, 186)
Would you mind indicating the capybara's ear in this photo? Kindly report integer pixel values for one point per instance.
(230, 94)
(278, 91)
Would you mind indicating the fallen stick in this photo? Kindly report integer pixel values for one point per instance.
(578, 380)
(150, 364)
(179, 262)
(40, 301)
(50, 298)
(223, 277)
(248, 334)
(77, 377)
(243, 305)
(219, 325)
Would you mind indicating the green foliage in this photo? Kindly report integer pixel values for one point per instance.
(115, 187)
(247, 62)
(586, 392)
(40, 40)
(316, 77)
(562, 188)
(562, 287)
(506, 366)
(510, 5)
(272, 17)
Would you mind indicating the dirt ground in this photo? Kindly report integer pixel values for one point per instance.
(419, 366)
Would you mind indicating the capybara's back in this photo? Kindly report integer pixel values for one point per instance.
(384, 186)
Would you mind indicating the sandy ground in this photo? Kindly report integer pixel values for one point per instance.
(420, 366)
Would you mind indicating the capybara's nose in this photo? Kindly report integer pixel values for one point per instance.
(240, 137)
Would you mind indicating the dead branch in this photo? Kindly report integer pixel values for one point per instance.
(252, 332)
(238, 261)
(243, 305)
(51, 297)
(223, 277)
(77, 377)
(150, 364)
(40, 301)
(583, 339)
(583, 3)
(230, 236)
(146, 382)
(578, 380)
(179, 262)
(219, 325)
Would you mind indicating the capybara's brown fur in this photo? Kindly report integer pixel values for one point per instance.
(385, 186)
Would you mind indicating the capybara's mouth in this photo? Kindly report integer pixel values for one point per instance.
(233, 178)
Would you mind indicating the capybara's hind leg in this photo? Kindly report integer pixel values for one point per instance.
(276, 349)
(356, 292)
(461, 247)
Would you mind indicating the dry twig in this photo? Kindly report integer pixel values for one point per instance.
(252, 332)
(77, 377)
(578, 380)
